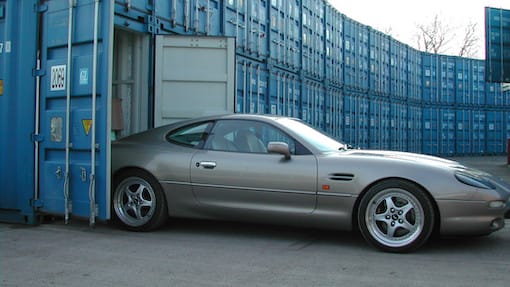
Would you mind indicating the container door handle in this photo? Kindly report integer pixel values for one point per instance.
(58, 172)
(206, 164)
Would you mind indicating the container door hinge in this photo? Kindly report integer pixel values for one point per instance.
(36, 203)
(153, 25)
(38, 72)
(37, 138)
(127, 5)
(41, 8)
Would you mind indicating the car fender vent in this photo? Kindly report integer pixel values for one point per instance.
(341, 176)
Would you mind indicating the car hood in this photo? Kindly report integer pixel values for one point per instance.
(434, 161)
(406, 156)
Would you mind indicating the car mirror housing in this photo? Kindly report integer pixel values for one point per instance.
(280, 148)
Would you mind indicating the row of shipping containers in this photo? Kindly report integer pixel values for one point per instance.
(314, 40)
(367, 120)
(304, 58)
(76, 74)
(364, 87)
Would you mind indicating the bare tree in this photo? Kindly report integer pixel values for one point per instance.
(469, 45)
(434, 37)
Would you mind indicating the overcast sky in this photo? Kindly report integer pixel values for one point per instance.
(402, 16)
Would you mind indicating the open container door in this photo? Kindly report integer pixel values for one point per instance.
(75, 100)
(194, 76)
(18, 30)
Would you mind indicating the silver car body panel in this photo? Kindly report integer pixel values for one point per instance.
(258, 182)
(317, 190)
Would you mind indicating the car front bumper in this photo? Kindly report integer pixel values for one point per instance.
(470, 217)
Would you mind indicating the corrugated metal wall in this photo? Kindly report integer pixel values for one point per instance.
(17, 104)
(299, 58)
(304, 58)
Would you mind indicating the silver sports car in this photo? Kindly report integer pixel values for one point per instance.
(280, 170)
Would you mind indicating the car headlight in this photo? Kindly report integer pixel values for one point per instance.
(471, 180)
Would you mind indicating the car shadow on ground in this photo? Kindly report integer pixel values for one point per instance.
(299, 238)
(296, 237)
(288, 237)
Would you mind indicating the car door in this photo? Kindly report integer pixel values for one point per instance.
(237, 177)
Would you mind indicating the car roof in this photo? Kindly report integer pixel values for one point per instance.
(157, 132)
(248, 116)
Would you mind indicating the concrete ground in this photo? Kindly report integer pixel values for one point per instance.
(202, 253)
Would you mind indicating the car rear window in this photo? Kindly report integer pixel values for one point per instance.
(190, 136)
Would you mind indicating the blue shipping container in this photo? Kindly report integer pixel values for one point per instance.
(496, 132)
(463, 135)
(312, 103)
(356, 120)
(398, 126)
(252, 86)
(18, 194)
(379, 63)
(334, 46)
(284, 93)
(334, 113)
(284, 35)
(414, 129)
(379, 124)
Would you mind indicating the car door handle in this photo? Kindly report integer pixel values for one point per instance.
(206, 164)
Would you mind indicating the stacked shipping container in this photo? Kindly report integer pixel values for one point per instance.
(299, 58)
(304, 58)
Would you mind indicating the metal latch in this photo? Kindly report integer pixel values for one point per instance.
(36, 203)
(37, 138)
(58, 172)
(83, 174)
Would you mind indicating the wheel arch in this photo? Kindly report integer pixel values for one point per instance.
(161, 213)
(437, 214)
(127, 169)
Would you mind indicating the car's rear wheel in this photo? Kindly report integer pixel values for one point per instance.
(138, 201)
(396, 216)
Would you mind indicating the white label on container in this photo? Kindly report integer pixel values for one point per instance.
(84, 76)
(56, 129)
(58, 78)
(5, 47)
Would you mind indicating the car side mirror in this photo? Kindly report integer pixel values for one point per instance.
(280, 148)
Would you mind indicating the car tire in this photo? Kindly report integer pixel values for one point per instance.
(396, 216)
(138, 201)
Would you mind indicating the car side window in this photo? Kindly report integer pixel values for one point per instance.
(245, 136)
(190, 136)
(222, 136)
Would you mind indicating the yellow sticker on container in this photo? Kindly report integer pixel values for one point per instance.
(87, 124)
(1, 87)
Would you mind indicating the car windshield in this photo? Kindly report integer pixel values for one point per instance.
(319, 140)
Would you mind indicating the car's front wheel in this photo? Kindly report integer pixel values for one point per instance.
(138, 202)
(396, 216)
